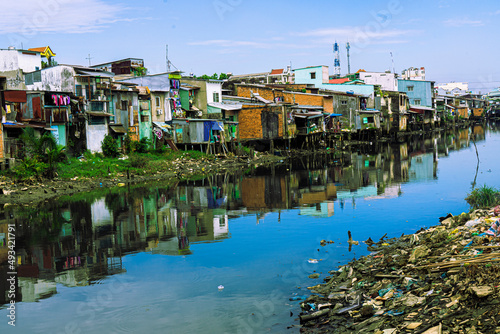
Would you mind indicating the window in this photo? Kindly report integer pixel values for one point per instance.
(216, 97)
(97, 106)
(410, 88)
(124, 105)
(367, 120)
(417, 102)
(343, 102)
(79, 90)
(97, 120)
(144, 118)
(157, 99)
(313, 75)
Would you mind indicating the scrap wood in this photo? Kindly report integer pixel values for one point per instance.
(472, 259)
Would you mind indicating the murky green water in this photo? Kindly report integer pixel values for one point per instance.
(226, 254)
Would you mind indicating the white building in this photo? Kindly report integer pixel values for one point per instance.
(14, 63)
(13, 59)
(449, 86)
(386, 80)
(413, 73)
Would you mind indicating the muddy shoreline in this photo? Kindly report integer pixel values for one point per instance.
(32, 193)
(443, 279)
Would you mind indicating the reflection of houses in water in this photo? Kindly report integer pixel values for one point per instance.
(34, 289)
(423, 167)
(389, 192)
(321, 209)
(264, 192)
(184, 220)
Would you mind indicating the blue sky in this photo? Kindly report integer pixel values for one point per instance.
(454, 40)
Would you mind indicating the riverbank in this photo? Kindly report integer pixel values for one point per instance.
(443, 279)
(183, 167)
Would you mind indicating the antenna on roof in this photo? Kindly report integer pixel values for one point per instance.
(348, 47)
(392, 59)
(169, 63)
(336, 61)
(89, 58)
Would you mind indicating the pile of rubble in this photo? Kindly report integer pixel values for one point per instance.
(444, 279)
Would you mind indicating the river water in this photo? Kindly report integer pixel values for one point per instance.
(226, 254)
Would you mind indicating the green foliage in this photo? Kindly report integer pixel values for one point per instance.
(483, 198)
(37, 147)
(142, 146)
(30, 168)
(140, 71)
(127, 143)
(42, 155)
(214, 76)
(303, 90)
(138, 160)
(110, 147)
(54, 156)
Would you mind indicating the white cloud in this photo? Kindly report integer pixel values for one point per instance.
(29, 17)
(229, 43)
(369, 31)
(460, 22)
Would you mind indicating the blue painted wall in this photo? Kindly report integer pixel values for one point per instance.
(421, 90)
(303, 76)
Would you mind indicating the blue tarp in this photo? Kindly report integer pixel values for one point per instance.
(210, 125)
(332, 115)
(216, 126)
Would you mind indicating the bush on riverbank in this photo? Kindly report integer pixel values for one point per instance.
(98, 166)
(483, 197)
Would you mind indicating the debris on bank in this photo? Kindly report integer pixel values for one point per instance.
(444, 279)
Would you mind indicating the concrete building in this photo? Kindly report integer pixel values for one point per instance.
(92, 89)
(318, 77)
(387, 81)
(413, 73)
(14, 63)
(278, 76)
(209, 92)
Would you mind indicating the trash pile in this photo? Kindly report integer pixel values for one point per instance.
(444, 279)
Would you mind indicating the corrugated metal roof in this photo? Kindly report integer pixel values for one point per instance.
(260, 98)
(225, 106)
(83, 73)
(118, 128)
(338, 81)
(369, 111)
(420, 107)
(306, 107)
(307, 115)
(99, 114)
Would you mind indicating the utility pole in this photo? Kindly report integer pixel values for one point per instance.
(392, 59)
(336, 60)
(348, 47)
(168, 61)
(89, 58)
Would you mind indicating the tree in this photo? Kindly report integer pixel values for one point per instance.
(42, 153)
(223, 76)
(110, 147)
(37, 147)
(54, 156)
(140, 71)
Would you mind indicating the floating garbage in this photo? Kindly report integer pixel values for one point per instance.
(220, 287)
(443, 279)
